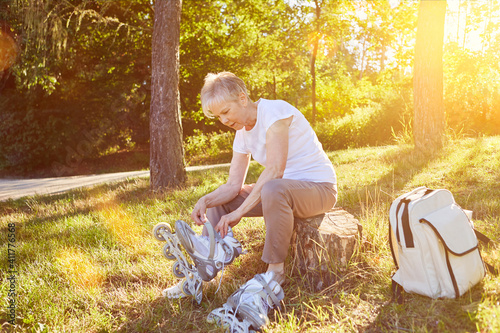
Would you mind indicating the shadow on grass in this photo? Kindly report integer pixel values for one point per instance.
(466, 174)
(475, 180)
(407, 162)
(168, 315)
(404, 163)
(364, 290)
(420, 313)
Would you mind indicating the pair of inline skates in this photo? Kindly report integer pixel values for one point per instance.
(246, 309)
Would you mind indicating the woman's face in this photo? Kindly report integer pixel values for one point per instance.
(232, 113)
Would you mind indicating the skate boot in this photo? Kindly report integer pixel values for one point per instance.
(191, 282)
(210, 254)
(247, 308)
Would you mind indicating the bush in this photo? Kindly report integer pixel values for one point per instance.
(472, 92)
(214, 147)
(28, 141)
(366, 126)
(52, 135)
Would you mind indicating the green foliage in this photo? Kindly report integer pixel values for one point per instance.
(81, 82)
(262, 41)
(208, 147)
(374, 124)
(472, 98)
(353, 130)
(27, 139)
(338, 95)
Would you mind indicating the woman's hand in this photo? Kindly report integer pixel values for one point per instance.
(199, 210)
(229, 220)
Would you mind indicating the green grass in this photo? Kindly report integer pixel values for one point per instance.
(87, 262)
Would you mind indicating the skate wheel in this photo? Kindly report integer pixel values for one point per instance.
(232, 257)
(167, 253)
(185, 288)
(233, 253)
(178, 270)
(157, 231)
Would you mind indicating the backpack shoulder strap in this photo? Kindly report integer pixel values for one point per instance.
(397, 292)
(492, 270)
(483, 238)
(391, 246)
(486, 241)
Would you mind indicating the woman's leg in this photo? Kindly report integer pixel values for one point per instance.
(215, 213)
(278, 270)
(284, 199)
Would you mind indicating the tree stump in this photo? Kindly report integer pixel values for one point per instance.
(322, 245)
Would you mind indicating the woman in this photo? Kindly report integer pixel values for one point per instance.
(298, 179)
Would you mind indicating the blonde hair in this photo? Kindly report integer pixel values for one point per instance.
(221, 87)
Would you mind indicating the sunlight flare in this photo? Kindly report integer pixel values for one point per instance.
(122, 225)
(79, 269)
(8, 51)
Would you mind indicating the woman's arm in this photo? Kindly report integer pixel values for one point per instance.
(276, 157)
(226, 192)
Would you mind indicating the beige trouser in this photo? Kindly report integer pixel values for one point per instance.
(281, 200)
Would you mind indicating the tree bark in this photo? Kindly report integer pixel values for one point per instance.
(322, 246)
(166, 150)
(313, 61)
(313, 83)
(363, 55)
(428, 127)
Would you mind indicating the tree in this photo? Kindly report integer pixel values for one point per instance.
(428, 127)
(315, 42)
(167, 153)
(79, 84)
(261, 41)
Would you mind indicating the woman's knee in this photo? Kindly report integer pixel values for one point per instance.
(273, 190)
(215, 213)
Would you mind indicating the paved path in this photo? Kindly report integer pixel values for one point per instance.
(18, 188)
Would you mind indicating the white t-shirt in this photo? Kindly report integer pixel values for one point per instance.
(306, 158)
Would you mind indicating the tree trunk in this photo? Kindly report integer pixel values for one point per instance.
(464, 40)
(313, 83)
(383, 50)
(363, 55)
(428, 125)
(167, 153)
(313, 62)
(275, 96)
(322, 246)
(458, 23)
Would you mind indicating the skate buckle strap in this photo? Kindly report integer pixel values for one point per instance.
(230, 300)
(265, 285)
(212, 234)
(216, 235)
